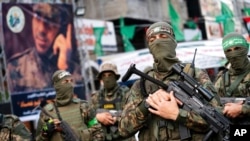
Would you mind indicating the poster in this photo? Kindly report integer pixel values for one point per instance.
(86, 38)
(38, 40)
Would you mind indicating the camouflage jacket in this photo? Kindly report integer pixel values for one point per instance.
(223, 83)
(136, 117)
(77, 114)
(12, 129)
(27, 71)
(100, 103)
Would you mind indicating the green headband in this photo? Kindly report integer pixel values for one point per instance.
(235, 42)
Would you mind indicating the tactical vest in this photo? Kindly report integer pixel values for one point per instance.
(73, 116)
(115, 104)
(111, 132)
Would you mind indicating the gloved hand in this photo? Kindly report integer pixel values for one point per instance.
(48, 128)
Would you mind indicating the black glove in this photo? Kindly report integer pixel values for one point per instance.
(48, 128)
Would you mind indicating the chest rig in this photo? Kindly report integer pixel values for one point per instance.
(116, 103)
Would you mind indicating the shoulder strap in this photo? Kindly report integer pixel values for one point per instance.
(236, 83)
(57, 112)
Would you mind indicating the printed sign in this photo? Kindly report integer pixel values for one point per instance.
(86, 38)
(38, 40)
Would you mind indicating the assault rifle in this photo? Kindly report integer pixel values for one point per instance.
(193, 97)
(111, 130)
(241, 120)
(67, 133)
(225, 100)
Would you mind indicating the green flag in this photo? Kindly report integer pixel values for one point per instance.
(226, 18)
(229, 24)
(175, 22)
(98, 32)
(246, 11)
(127, 34)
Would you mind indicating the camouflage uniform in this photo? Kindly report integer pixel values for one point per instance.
(136, 117)
(12, 129)
(75, 112)
(116, 102)
(226, 78)
(27, 71)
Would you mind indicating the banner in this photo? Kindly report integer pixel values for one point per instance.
(209, 55)
(213, 29)
(228, 24)
(127, 33)
(210, 8)
(98, 32)
(175, 22)
(38, 40)
(87, 39)
(26, 104)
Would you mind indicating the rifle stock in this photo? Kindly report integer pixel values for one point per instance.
(193, 97)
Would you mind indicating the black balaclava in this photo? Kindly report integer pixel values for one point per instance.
(64, 91)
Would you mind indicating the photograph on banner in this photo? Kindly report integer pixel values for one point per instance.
(38, 40)
(210, 8)
(91, 32)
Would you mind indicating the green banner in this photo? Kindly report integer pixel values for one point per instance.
(98, 32)
(175, 22)
(229, 23)
(127, 34)
(226, 18)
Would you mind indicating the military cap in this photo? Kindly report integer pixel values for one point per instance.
(49, 12)
(108, 67)
(160, 27)
(60, 75)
